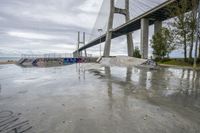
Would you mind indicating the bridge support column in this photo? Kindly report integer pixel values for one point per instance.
(144, 37)
(109, 30)
(130, 47)
(124, 12)
(157, 26)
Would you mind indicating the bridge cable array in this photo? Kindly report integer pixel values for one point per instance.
(136, 8)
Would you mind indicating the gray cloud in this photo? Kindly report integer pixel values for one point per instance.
(44, 26)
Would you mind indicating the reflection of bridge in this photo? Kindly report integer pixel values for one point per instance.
(154, 16)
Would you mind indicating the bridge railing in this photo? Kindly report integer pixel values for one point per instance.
(50, 55)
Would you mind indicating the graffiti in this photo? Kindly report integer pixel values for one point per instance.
(73, 60)
(41, 62)
(13, 123)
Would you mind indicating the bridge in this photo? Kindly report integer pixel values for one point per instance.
(154, 16)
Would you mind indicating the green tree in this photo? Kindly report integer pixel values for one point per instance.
(192, 26)
(197, 37)
(180, 24)
(136, 53)
(162, 43)
(199, 51)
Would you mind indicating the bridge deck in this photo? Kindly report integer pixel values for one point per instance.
(160, 12)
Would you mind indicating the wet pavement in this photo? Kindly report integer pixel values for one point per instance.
(73, 99)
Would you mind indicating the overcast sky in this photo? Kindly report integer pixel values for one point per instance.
(50, 26)
(44, 26)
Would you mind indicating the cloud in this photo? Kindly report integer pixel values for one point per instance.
(41, 26)
(90, 6)
(28, 35)
(35, 26)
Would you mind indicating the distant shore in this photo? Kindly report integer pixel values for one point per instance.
(7, 62)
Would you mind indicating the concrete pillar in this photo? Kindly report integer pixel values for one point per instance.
(144, 37)
(125, 12)
(109, 30)
(157, 26)
(130, 47)
(78, 45)
(84, 43)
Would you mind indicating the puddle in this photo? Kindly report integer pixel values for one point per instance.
(107, 99)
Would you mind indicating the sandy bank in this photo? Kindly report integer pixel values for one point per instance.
(7, 62)
(119, 61)
(122, 61)
(179, 67)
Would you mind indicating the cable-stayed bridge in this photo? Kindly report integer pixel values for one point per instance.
(139, 14)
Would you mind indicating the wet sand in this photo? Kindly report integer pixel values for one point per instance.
(180, 67)
(7, 62)
(96, 99)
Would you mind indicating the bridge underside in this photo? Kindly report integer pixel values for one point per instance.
(159, 13)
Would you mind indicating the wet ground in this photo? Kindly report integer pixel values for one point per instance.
(71, 99)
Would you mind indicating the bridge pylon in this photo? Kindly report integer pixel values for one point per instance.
(79, 42)
(125, 12)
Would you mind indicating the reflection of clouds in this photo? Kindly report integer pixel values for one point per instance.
(168, 92)
(25, 80)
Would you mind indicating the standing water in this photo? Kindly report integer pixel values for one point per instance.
(76, 99)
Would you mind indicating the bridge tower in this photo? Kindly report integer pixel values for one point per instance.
(79, 42)
(124, 12)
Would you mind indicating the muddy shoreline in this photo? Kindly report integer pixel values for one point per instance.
(7, 62)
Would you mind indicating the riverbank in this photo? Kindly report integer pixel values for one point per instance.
(177, 63)
(7, 62)
(179, 67)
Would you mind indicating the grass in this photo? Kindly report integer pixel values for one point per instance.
(177, 62)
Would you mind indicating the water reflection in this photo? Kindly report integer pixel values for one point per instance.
(0, 88)
(179, 86)
(109, 83)
(110, 99)
(81, 71)
(126, 84)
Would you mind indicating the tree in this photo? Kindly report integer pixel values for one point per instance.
(180, 24)
(136, 53)
(198, 36)
(199, 52)
(162, 43)
(192, 26)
